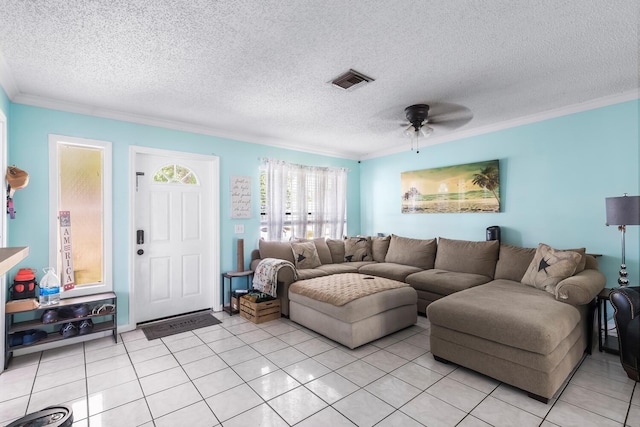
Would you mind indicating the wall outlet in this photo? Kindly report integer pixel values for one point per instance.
(239, 229)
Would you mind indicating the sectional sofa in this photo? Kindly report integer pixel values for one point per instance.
(520, 315)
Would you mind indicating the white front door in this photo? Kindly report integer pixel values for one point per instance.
(174, 235)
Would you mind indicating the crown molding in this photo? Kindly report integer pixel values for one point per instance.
(71, 107)
(520, 121)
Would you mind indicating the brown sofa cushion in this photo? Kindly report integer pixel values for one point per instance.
(305, 255)
(513, 262)
(389, 270)
(309, 273)
(336, 247)
(467, 257)
(508, 313)
(415, 252)
(345, 267)
(323, 250)
(357, 249)
(549, 266)
(280, 250)
(442, 282)
(380, 247)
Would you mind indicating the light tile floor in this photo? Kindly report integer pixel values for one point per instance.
(281, 374)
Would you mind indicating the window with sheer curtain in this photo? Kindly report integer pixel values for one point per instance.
(80, 182)
(299, 201)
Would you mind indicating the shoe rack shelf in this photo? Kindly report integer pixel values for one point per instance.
(15, 326)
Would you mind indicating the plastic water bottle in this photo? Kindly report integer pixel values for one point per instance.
(50, 287)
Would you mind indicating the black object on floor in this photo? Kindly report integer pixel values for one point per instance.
(54, 416)
(176, 325)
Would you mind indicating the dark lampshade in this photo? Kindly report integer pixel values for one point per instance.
(623, 210)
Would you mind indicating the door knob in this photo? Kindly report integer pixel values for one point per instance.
(140, 251)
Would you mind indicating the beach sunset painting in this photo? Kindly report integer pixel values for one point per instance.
(468, 188)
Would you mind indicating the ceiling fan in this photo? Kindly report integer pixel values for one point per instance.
(424, 119)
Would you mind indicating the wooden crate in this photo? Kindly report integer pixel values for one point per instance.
(259, 312)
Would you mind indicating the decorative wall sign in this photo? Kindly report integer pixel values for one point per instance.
(240, 197)
(66, 273)
(472, 187)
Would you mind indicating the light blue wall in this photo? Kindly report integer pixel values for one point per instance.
(555, 175)
(28, 148)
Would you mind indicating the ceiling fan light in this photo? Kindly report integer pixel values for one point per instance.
(425, 131)
(410, 131)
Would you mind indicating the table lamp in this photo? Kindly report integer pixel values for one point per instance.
(623, 211)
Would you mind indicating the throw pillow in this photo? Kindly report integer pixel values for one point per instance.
(415, 252)
(323, 250)
(549, 266)
(513, 262)
(321, 246)
(305, 255)
(336, 247)
(357, 249)
(379, 247)
(583, 259)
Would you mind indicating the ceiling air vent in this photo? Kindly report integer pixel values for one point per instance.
(350, 79)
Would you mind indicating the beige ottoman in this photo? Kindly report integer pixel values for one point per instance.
(352, 309)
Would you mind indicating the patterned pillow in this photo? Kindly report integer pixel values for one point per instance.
(549, 266)
(357, 249)
(305, 255)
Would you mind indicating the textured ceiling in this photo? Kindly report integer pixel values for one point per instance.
(258, 70)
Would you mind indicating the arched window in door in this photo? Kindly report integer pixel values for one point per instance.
(175, 174)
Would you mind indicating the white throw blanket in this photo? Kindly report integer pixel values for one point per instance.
(265, 278)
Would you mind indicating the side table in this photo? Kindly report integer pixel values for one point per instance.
(248, 275)
(605, 342)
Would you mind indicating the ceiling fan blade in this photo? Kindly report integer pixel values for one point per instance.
(449, 124)
(443, 115)
(449, 116)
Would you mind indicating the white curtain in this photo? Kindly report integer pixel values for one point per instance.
(275, 197)
(335, 203)
(316, 199)
(299, 201)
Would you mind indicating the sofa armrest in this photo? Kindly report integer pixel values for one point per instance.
(580, 288)
(285, 278)
(254, 264)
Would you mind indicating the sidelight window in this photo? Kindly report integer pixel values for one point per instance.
(80, 184)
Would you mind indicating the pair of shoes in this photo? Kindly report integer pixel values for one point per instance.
(86, 327)
(69, 330)
(81, 310)
(73, 329)
(103, 309)
(50, 316)
(16, 339)
(33, 335)
(74, 311)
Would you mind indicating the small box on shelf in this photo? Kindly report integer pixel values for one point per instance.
(19, 305)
